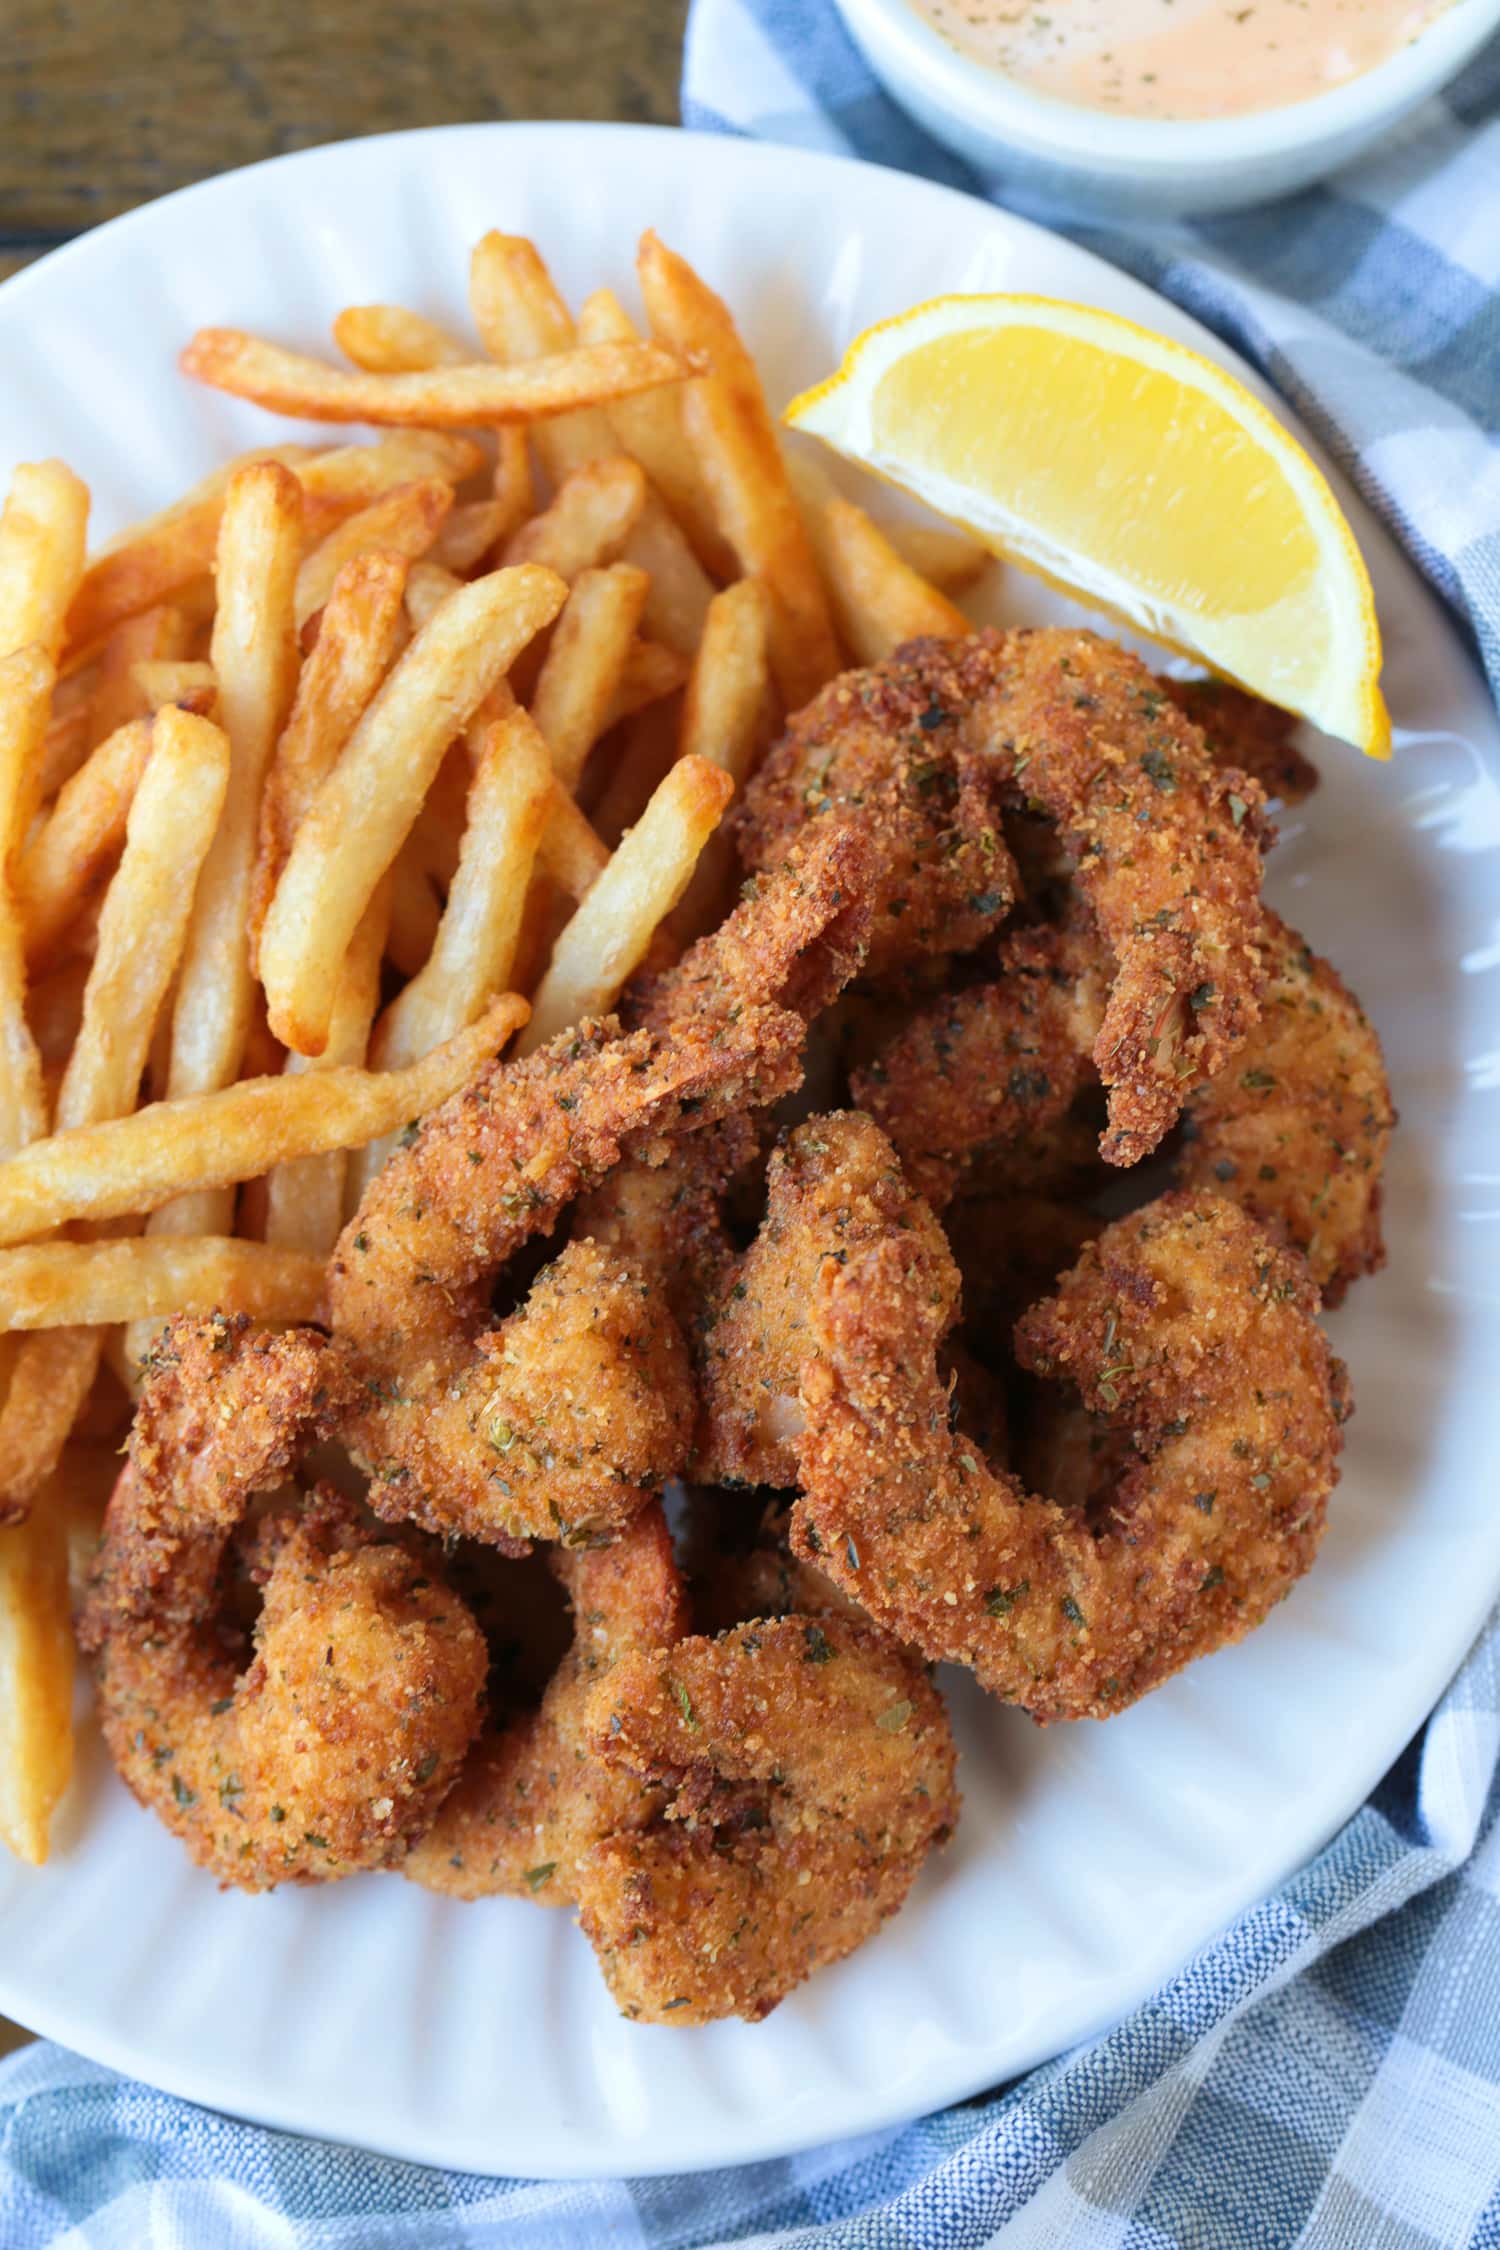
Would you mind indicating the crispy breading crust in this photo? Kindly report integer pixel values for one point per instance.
(558, 1424)
(810, 1771)
(1297, 1128)
(1186, 1326)
(533, 1798)
(981, 1069)
(1167, 847)
(667, 1219)
(833, 1185)
(1249, 734)
(225, 1412)
(496, 1165)
(943, 876)
(334, 1747)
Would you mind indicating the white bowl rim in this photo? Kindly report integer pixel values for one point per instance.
(989, 101)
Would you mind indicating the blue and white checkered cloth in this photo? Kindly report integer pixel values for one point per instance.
(1327, 2074)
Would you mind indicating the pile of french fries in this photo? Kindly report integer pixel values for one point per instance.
(324, 784)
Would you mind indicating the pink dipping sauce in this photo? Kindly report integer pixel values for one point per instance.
(1181, 58)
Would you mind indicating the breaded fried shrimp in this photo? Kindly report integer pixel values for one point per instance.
(1166, 846)
(833, 1186)
(326, 1745)
(497, 1165)
(732, 1583)
(1297, 1128)
(667, 1219)
(533, 1798)
(944, 877)
(559, 1423)
(975, 1071)
(225, 1411)
(1245, 732)
(1183, 1325)
(809, 1771)
(334, 1746)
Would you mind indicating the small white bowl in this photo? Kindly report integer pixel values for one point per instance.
(1093, 163)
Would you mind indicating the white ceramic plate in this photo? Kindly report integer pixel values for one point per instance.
(1091, 1860)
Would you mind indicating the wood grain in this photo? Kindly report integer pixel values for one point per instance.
(105, 104)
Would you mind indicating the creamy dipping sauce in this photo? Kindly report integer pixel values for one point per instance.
(1181, 58)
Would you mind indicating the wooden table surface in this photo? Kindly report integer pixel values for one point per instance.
(104, 105)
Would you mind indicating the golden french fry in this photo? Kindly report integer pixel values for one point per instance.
(608, 936)
(457, 772)
(731, 430)
(68, 731)
(69, 854)
(155, 560)
(414, 915)
(571, 853)
(52, 1285)
(651, 673)
(404, 521)
(679, 589)
(53, 1375)
(146, 914)
(438, 830)
(255, 662)
(191, 684)
(54, 1009)
(209, 1141)
(141, 934)
(356, 824)
(305, 1197)
(428, 586)
(86, 1476)
(650, 428)
(389, 340)
(474, 951)
(646, 752)
(520, 316)
(588, 521)
(515, 490)
(947, 558)
(878, 599)
(570, 859)
(159, 635)
(361, 631)
(26, 678)
(42, 529)
(469, 534)
(727, 715)
(36, 1678)
(74, 691)
(106, 1410)
(727, 709)
(430, 398)
(585, 664)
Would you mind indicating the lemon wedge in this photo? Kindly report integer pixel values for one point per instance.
(1129, 471)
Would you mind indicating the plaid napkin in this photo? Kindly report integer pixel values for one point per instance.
(1328, 2073)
